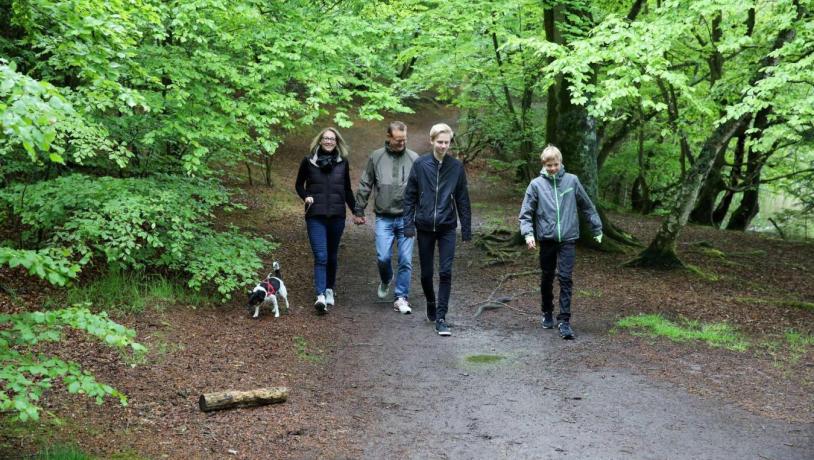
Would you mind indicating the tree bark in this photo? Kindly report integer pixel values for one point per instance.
(735, 177)
(229, 399)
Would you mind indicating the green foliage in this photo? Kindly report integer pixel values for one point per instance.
(719, 335)
(26, 374)
(138, 223)
(51, 264)
(30, 111)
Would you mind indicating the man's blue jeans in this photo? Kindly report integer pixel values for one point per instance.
(388, 231)
(324, 234)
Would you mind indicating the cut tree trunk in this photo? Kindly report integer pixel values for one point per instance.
(229, 399)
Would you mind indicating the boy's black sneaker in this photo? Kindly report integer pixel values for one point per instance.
(548, 320)
(431, 312)
(441, 328)
(565, 331)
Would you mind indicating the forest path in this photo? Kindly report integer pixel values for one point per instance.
(420, 396)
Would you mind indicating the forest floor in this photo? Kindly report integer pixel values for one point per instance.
(366, 382)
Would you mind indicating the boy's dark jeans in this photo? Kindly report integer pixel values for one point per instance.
(559, 256)
(426, 255)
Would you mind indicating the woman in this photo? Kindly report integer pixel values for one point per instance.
(437, 191)
(323, 183)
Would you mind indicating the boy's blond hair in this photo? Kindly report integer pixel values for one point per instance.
(550, 152)
(440, 128)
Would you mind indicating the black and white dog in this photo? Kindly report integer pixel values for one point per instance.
(267, 291)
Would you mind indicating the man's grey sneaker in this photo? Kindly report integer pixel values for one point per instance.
(320, 305)
(402, 306)
(329, 297)
(548, 320)
(431, 312)
(384, 288)
(565, 331)
(441, 328)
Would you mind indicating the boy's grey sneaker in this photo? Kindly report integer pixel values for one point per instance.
(441, 328)
(565, 330)
(384, 288)
(320, 305)
(329, 297)
(402, 306)
(548, 320)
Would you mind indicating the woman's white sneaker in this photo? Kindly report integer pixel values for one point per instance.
(320, 305)
(402, 306)
(329, 297)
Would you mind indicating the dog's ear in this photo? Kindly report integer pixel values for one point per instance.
(256, 297)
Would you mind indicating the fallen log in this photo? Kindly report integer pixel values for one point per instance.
(229, 399)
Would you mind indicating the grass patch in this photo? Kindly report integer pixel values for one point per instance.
(707, 276)
(132, 292)
(799, 345)
(588, 293)
(719, 335)
(302, 350)
(484, 359)
(794, 303)
(62, 452)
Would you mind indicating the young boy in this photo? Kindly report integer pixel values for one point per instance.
(549, 214)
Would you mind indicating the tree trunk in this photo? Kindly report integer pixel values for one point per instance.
(661, 252)
(708, 195)
(746, 211)
(735, 178)
(228, 399)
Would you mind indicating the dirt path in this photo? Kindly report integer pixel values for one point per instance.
(416, 395)
(424, 399)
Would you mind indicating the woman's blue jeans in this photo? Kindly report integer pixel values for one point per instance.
(324, 234)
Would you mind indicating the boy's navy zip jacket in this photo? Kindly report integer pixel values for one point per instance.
(437, 196)
(329, 186)
(549, 209)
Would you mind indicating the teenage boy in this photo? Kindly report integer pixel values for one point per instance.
(386, 172)
(437, 197)
(549, 214)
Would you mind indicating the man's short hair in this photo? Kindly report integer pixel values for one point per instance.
(440, 128)
(396, 126)
(550, 152)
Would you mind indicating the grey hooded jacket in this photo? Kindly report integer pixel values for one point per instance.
(549, 209)
(387, 173)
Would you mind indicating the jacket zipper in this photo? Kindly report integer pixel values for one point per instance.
(557, 203)
(437, 179)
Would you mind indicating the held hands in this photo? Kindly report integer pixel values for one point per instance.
(359, 220)
(598, 238)
(530, 242)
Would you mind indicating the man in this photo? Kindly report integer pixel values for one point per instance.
(386, 172)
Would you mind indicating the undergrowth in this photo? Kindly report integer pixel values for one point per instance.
(133, 292)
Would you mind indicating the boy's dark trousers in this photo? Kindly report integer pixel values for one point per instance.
(426, 255)
(559, 256)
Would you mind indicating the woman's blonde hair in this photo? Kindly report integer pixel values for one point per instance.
(550, 152)
(341, 146)
(440, 128)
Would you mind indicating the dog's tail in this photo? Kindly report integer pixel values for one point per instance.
(276, 267)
